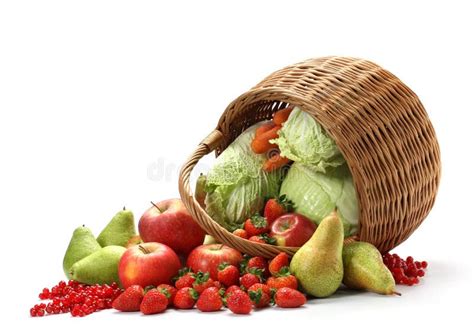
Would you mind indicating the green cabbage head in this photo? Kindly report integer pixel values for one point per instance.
(236, 186)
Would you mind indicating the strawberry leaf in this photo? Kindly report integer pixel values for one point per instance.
(267, 239)
(201, 277)
(244, 263)
(148, 288)
(284, 272)
(193, 293)
(256, 271)
(286, 203)
(259, 221)
(255, 296)
(222, 266)
(165, 292)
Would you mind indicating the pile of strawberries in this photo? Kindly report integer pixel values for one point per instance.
(256, 284)
(257, 227)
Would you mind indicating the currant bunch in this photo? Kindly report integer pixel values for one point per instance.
(405, 271)
(78, 299)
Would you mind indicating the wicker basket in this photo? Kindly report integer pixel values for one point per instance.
(378, 123)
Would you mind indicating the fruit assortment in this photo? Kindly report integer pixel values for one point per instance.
(157, 269)
(278, 225)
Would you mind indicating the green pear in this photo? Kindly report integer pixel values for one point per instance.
(364, 269)
(119, 230)
(318, 263)
(101, 267)
(82, 244)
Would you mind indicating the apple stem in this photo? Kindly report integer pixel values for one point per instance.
(124, 208)
(220, 247)
(143, 249)
(156, 206)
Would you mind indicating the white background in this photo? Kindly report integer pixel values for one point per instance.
(102, 101)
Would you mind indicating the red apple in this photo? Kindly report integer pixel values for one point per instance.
(206, 258)
(292, 230)
(170, 223)
(148, 264)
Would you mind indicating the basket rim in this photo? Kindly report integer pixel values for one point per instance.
(292, 98)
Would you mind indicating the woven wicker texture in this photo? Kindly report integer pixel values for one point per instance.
(380, 126)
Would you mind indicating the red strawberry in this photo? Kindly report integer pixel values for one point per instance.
(231, 289)
(185, 298)
(278, 262)
(185, 278)
(257, 239)
(258, 262)
(209, 300)
(263, 239)
(263, 287)
(167, 290)
(256, 225)
(217, 284)
(289, 298)
(260, 295)
(228, 275)
(203, 281)
(241, 233)
(153, 302)
(250, 278)
(239, 302)
(284, 279)
(129, 300)
(276, 207)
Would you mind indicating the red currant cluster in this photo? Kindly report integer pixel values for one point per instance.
(405, 272)
(77, 298)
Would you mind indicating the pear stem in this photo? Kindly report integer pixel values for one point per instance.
(396, 293)
(156, 206)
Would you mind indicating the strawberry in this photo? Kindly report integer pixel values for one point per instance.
(284, 279)
(276, 207)
(260, 295)
(289, 298)
(185, 298)
(167, 290)
(217, 284)
(256, 225)
(129, 300)
(202, 282)
(241, 233)
(185, 278)
(154, 302)
(228, 275)
(258, 286)
(209, 300)
(257, 239)
(258, 262)
(263, 239)
(239, 302)
(231, 289)
(252, 277)
(278, 262)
